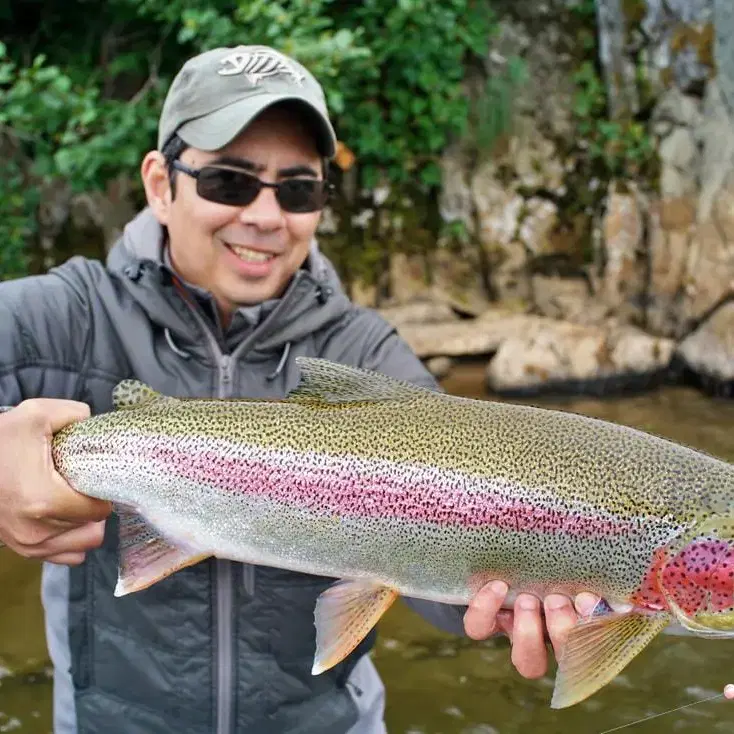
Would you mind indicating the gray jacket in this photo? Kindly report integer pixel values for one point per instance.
(220, 647)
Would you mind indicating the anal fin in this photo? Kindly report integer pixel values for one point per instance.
(146, 557)
(598, 649)
(344, 615)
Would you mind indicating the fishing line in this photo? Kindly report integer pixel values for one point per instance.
(655, 716)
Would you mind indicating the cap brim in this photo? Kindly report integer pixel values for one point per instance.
(217, 129)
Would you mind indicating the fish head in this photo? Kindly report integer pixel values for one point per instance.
(697, 582)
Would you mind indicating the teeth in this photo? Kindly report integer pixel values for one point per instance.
(248, 255)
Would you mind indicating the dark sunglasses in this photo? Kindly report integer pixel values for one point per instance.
(237, 188)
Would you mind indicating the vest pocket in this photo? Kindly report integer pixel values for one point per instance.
(101, 712)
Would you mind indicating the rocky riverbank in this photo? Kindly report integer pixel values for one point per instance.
(528, 353)
(565, 279)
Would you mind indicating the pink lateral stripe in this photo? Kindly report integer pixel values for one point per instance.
(351, 488)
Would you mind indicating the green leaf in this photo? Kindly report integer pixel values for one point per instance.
(431, 175)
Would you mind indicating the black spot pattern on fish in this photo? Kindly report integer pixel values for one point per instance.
(594, 501)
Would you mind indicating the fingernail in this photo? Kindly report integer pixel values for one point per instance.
(586, 603)
(556, 601)
(528, 603)
(499, 588)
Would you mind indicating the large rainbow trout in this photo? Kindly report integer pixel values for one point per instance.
(397, 489)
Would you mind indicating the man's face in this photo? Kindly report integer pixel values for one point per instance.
(245, 255)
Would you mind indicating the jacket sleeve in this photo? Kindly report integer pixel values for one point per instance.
(386, 352)
(44, 322)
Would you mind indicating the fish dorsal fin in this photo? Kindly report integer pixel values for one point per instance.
(330, 382)
(134, 394)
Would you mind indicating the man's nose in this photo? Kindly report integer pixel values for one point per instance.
(264, 212)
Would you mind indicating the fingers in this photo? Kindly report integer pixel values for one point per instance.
(529, 654)
(505, 622)
(72, 506)
(52, 414)
(59, 506)
(526, 625)
(70, 543)
(480, 619)
(560, 618)
(585, 603)
(25, 532)
(41, 516)
(68, 559)
(35, 498)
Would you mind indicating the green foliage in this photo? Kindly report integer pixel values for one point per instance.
(617, 148)
(17, 206)
(404, 102)
(81, 83)
(495, 107)
(68, 129)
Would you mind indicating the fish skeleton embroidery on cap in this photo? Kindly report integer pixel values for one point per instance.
(257, 65)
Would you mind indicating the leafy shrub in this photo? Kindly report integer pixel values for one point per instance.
(81, 84)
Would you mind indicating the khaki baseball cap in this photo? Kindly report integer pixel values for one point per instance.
(218, 93)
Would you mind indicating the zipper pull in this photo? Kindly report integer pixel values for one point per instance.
(357, 690)
(248, 579)
(225, 368)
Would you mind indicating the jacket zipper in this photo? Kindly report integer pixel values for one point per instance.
(224, 606)
(225, 589)
(225, 380)
(223, 568)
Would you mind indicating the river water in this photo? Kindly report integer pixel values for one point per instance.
(439, 684)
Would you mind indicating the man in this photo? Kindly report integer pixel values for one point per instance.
(213, 290)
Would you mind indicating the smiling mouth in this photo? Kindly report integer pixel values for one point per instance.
(250, 256)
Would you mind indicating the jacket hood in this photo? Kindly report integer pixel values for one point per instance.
(313, 300)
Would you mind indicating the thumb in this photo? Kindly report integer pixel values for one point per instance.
(585, 603)
(61, 413)
(51, 415)
(47, 415)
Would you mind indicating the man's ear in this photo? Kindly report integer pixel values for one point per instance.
(157, 185)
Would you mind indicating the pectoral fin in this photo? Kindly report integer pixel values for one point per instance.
(597, 650)
(146, 557)
(344, 615)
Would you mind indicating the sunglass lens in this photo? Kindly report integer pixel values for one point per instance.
(301, 195)
(237, 188)
(224, 186)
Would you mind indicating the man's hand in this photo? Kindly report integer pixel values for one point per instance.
(524, 624)
(41, 516)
